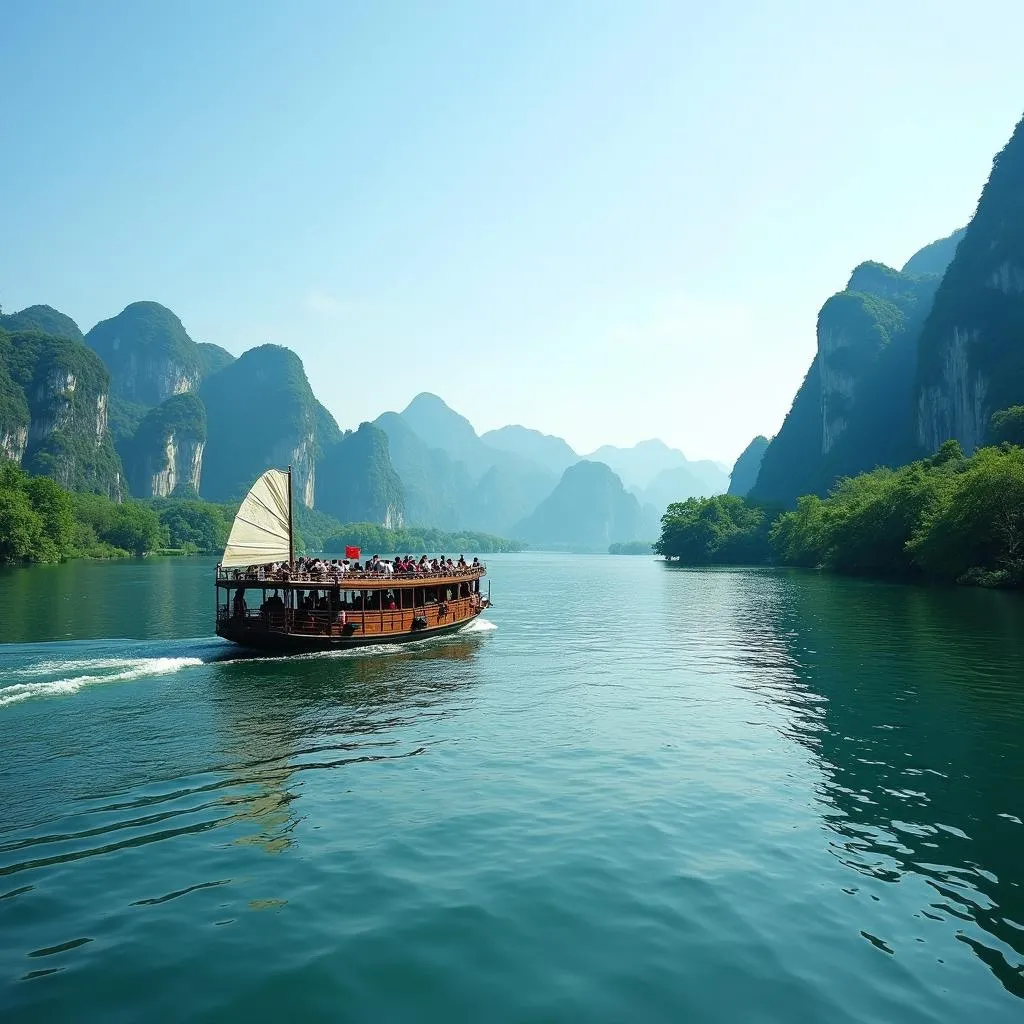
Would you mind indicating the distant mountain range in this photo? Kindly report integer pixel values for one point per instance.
(137, 407)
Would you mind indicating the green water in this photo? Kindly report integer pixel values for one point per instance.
(646, 794)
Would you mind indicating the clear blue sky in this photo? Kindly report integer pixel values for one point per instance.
(606, 220)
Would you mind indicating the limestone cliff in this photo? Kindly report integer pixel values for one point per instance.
(148, 353)
(45, 320)
(971, 351)
(53, 411)
(260, 413)
(853, 411)
(748, 465)
(356, 482)
(165, 456)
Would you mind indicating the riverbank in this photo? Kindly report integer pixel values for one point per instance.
(947, 519)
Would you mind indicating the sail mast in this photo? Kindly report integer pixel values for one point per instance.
(291, 529)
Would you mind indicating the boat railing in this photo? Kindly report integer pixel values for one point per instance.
(342, 622)
(345, 579)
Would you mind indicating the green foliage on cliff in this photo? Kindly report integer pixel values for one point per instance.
(64, 387)
(212, 358)
(1007, 426)
(259, 409)
(981, 298)
(45, 320)
(374, 539)
(182, 417)
(748, 465)
(14, 412)
(356, 481)
(123, 419)
(867, 338)
(723, 530)
(142, 345)
(328, 433)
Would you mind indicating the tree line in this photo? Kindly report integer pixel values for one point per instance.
(414, 540)
(948, 518)
(40, 521)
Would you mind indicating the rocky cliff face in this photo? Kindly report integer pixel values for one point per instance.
(854, 328)
(854, 410)
(260, 413)
(971, 350)
(748, 465)
(148, 352)
(53, 411)
(165, 455)
(357, 483)
(12, 443)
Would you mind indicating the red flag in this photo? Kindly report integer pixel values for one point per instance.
(352, 553)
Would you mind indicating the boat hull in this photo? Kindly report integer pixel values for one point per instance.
(298, 643)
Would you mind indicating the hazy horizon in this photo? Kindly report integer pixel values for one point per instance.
(608, 224)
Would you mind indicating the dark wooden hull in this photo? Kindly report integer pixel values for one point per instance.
(299, 643)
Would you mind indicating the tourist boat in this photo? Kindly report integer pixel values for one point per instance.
(266, 600)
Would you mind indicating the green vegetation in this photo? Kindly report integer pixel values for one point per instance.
(723, 530)
(259, 410)
(633, 547)
(858, 386)
(182, 417)
(1007, 426)
(356, 481)
(42, 522)
(60, 387)
(944, 519)
(212, 358)
(147, 351)
(44, 320)
(418, 540)
(980, 305)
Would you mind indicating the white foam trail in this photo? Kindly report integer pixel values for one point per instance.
(46, 668)
(135, 668)
(479, 626)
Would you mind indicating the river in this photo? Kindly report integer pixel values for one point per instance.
(636, 793)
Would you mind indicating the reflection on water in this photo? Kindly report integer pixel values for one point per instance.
(910, 705)
(338, 710)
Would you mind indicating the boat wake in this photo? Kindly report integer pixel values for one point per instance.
(479, 626)
(91, 671)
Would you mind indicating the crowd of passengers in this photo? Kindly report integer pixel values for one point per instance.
(353, 601)
(323, 568)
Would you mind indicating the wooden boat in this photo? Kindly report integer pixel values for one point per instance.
(266, 600)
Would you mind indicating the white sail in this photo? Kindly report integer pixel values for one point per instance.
(260, 532)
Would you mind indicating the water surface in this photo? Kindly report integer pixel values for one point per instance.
(641, 793)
